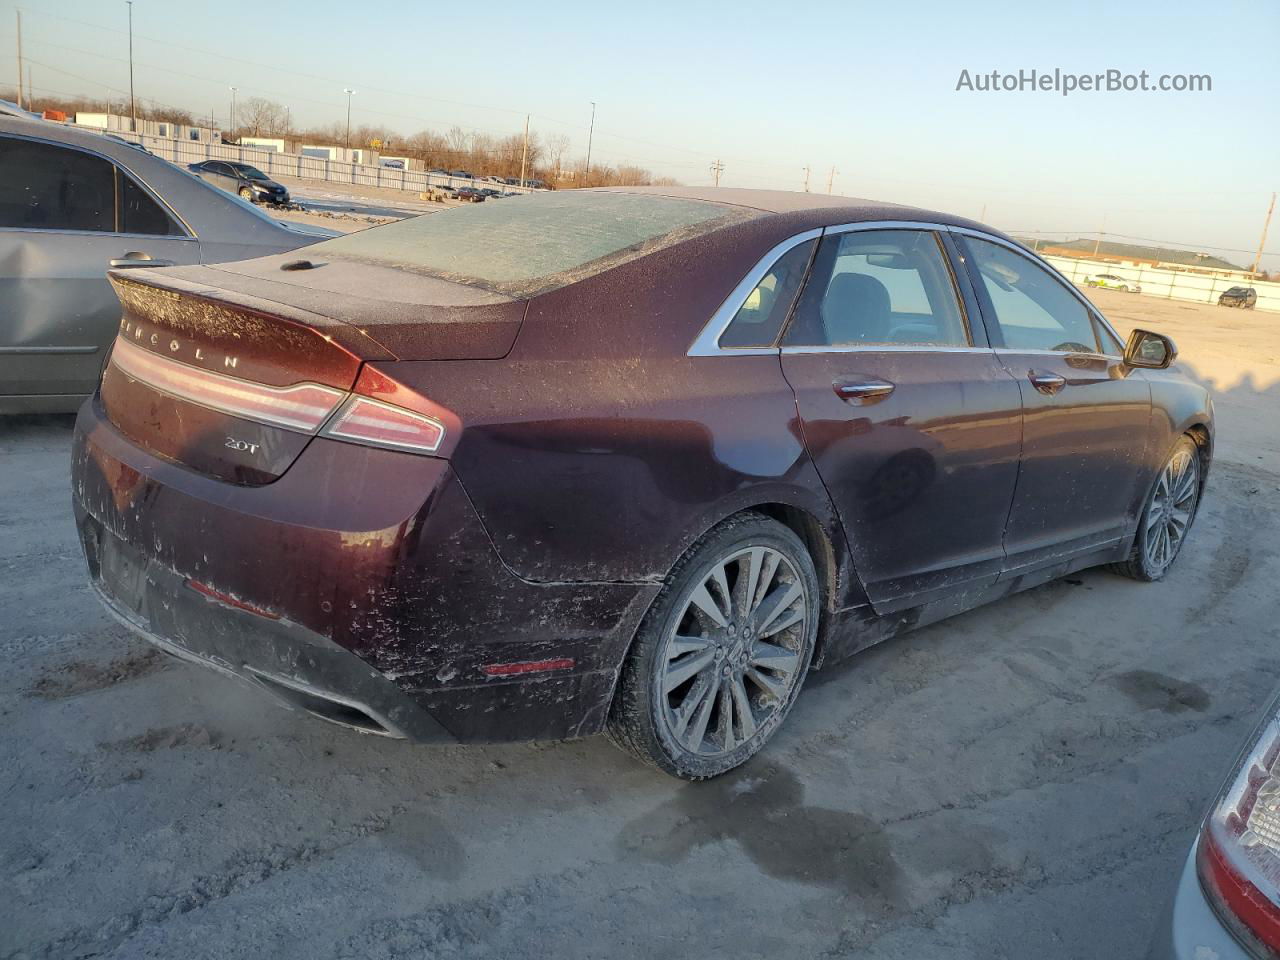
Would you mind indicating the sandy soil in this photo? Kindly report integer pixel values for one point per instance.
(1021, 781)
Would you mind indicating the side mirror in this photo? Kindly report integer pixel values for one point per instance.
(1148, 349)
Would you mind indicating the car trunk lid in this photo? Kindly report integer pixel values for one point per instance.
(232, 375)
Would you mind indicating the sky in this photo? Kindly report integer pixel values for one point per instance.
(868, 89)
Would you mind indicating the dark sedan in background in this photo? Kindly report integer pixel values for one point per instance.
(74, 204)
(624, 460)
(242, 179)
(1243, 297)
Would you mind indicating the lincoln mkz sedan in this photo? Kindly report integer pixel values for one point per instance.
(630, 461)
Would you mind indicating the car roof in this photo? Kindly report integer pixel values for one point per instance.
(820, 208)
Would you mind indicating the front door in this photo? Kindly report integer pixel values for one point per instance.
(912, 421)
(1088, 416)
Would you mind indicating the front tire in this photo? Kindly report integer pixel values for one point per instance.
(1167, 517)
(721, 655)
(247, 194)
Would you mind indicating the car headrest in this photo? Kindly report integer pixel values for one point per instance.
(856, 309)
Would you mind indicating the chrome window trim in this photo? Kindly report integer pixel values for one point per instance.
(1054, 272)
(707, 343)
(122, 170)
(887, 225)
(96, 233)
(883, 348)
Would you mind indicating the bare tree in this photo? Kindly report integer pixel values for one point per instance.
(259, 117)
(557, 144)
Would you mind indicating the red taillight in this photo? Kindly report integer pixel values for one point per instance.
(364, 420)
(1239, 848)
(303, 406)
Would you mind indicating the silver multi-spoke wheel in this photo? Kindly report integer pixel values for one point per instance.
(735, 652)
(723, 651)
(1172, 507)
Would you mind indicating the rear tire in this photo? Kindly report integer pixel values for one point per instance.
(247, 194)
(1167, 516)
(711, 674)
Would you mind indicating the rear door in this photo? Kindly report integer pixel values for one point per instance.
(912, 421)
(65, 214)
(1087, 418)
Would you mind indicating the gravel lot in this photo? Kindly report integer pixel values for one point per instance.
(1021, 781)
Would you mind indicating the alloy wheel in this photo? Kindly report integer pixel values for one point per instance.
(735, 653)
(1172, 506)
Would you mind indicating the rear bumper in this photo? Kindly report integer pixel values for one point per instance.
(361, 577)
(296, 666)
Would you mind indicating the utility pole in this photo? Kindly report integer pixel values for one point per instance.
(982, 217)
(1265, 226)
(591, 130)
(231, 124)
(717, 168)
(806, 179)
(349, 94)
(133, 104)
(831, 179)
(524, 157)
(19, 13)
(1101, 233)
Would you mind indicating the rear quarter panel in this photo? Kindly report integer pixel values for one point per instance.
(597, 450)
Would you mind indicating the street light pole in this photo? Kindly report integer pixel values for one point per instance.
(590, 134)
(133, 104)
(231, 123)
(19, 13)
(349, 94)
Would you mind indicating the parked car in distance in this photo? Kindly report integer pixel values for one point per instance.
(493, 179)
(463, 174)
(1226, 902)
(1242, 297)
(242, 179)
(1111, 281)
(74, 203)
(448, 191)
(489, 193)
(438, 172)
(471, 193)
(633, 459)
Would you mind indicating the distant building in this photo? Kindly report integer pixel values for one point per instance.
(274, 144)
(116, 123)
(338, 154)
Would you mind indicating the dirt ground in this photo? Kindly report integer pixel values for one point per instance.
(1021, 781)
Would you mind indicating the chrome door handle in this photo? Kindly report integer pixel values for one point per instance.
(861, 390)
(135, 258)
(1045, 382)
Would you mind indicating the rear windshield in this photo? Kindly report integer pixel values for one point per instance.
(535, 243)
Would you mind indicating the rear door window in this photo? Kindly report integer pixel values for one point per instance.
(47, 187)
(879, 287)
(139, 213)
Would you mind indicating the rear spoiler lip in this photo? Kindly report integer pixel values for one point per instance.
(352, 340)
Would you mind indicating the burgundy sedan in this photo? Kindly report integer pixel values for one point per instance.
(626, 460)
